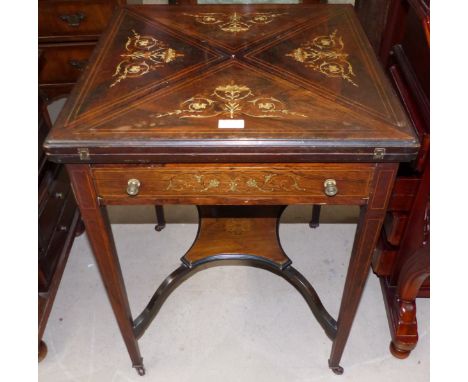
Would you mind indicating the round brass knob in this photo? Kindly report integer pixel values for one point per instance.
(133, 187)
(330, 187)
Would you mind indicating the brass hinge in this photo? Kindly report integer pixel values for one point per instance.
(379, 153)
(84, 154)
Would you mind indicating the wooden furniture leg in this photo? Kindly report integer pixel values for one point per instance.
(100, 237)
(315, 219)
(160, 220)
(369, 226)
(402, 304)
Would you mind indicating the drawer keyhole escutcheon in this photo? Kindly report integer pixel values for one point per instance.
(330, 187)
(133, 187)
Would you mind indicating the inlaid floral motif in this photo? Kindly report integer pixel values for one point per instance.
(234, 22)
(235, 183)
(143, 54)
(325, 54)
(231, 100)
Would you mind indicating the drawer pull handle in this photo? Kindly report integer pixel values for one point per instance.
(330, 187)
(73, 20)
(78, 64)
(133, 187)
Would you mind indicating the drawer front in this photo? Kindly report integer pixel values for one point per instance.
(234, 184)
(61, 19)
(64, 63)
(50, 208)
(62, 236)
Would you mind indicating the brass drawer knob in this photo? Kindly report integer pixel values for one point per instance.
(330, 187)
(133, 187)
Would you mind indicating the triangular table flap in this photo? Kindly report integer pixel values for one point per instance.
(140, 56)
(232, 29)
(270, 107)
(329, 58)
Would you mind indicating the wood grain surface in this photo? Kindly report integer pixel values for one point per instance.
(303, 78)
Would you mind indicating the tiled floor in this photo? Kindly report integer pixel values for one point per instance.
(226, 323)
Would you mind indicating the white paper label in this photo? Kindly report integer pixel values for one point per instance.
(230, 124)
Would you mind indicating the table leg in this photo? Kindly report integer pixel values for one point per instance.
(160, 219)
(315, 219)
(370, 223)
(100, 237)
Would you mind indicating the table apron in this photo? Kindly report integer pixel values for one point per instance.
(234, 184)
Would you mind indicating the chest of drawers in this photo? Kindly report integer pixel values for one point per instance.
(68, 32)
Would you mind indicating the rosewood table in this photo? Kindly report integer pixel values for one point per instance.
(240, 110)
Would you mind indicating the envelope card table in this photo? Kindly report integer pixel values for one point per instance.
(240, 110)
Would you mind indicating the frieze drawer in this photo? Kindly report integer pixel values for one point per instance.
(234, 184)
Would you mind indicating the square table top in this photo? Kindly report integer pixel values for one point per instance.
(301, 79)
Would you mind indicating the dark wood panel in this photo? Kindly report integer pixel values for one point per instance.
(373, 14)
(73, 20)
(234, 184)
(174, 105)
(64, 63)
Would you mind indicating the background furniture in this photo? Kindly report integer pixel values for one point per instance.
(195, 2)
(402, 257)
(59, 222)
(68, 31)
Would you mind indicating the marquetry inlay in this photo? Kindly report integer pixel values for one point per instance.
(325, 54)
(234, 22)
(237, 227)
(231, 100)
(143, 54)
(226, 182)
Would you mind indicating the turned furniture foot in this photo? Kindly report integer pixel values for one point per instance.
(140, 369)
(401, 302)
(160, 219)
(403, 273)
(42, 350)
(398, 353)
(338, 370)
(315, 220)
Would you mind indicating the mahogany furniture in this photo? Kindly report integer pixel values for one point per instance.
(59, 222)
(399, 33)
(68, 33)
(240, 110)
(402, 257)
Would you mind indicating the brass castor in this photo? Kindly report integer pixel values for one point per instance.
(42, 350)
(159, 227)
(338, 370)
(140, 370)
(398, 353)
